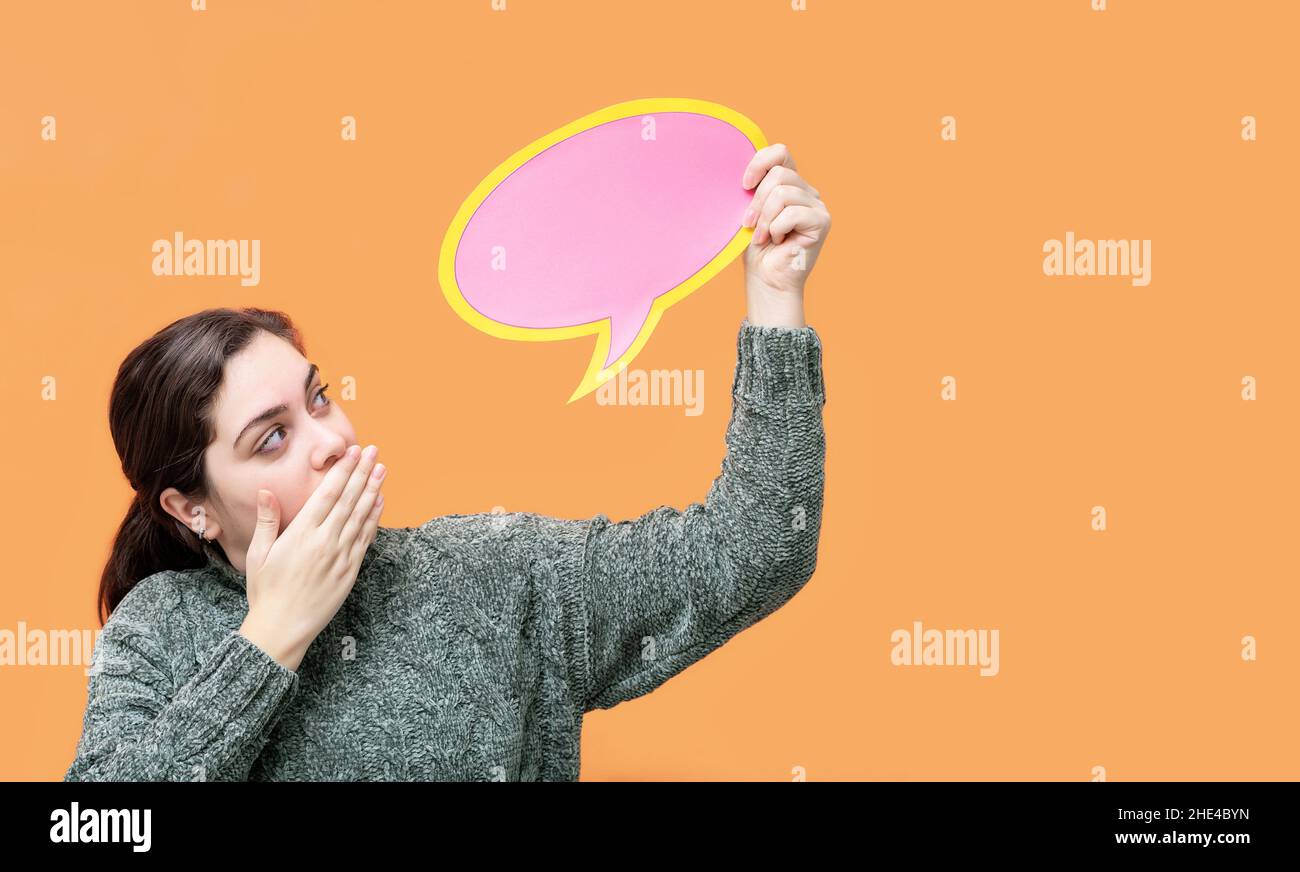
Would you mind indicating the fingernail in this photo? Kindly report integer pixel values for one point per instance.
(353, 451)
(379, 472)
(371, 451)
(749, 216)
(745, 182)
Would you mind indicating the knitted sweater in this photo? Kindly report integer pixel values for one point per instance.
(471, 646)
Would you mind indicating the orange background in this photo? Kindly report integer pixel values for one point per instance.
(1118, 648)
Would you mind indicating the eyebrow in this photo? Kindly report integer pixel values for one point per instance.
(278, 410)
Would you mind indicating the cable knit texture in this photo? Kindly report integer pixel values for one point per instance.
(471, 646)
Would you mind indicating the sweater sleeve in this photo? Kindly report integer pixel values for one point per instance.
(139, 726)
(655, 594)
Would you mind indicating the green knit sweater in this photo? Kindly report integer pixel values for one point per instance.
(471, 646)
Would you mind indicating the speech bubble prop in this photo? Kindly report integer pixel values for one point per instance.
(602, 225)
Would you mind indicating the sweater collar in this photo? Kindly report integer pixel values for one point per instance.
(222, 568)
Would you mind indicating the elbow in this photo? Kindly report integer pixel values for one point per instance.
(88, 766)
(802, 573)
(100, 767)
(79, 771)
(789, 575)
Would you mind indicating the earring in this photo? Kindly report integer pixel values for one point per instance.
(202, 530)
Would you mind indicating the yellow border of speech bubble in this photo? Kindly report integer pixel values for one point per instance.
(595, 375)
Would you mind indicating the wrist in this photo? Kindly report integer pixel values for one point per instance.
(769, 307)
(278, 645)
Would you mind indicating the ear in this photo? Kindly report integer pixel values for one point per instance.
(192, 516)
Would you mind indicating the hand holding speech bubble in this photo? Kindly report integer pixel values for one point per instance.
(602, 225)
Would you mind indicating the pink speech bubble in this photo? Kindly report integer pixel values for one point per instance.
(602, 225)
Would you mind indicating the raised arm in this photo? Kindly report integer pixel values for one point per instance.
(661, 591)
(139, 726)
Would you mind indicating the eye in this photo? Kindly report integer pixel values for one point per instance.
(261, 449)
(320, 395)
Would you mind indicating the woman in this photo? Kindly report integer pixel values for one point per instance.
(297, 639)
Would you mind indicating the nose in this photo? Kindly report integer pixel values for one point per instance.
(330, 449)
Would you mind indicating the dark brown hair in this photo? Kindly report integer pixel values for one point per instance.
(161, 417)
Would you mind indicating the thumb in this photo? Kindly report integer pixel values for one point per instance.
(268, 528)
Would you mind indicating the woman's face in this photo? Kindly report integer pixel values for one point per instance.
(276, 429)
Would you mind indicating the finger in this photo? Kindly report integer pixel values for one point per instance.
(777, 177)
(318, 505)
(368, 531)
(352, 491)
(356, 521)
(781, 196)
(763, 160)
(266, 531)
(812, 222)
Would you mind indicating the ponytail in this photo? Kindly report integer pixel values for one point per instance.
(146, 543)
